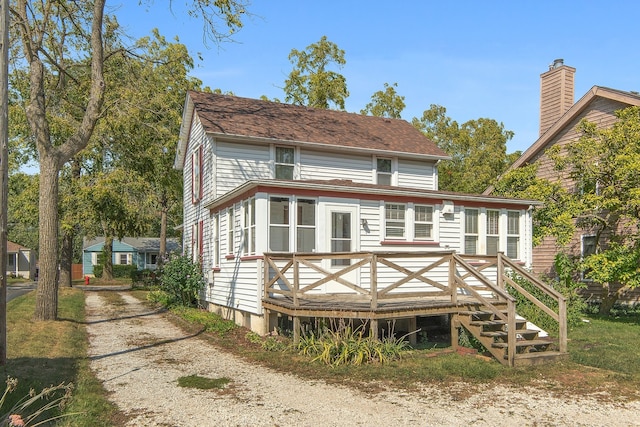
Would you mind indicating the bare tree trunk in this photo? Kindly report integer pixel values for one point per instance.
(47, 294)
(66, 257)
(163, 236)
(107, 270)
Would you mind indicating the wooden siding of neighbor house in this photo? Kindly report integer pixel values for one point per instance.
(601, 111)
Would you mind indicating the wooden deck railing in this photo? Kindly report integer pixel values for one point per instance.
(390, 276)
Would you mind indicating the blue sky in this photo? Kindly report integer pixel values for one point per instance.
(476, 58)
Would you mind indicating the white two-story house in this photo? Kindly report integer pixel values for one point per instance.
(282, 200)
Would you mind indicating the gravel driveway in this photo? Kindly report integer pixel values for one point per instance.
(139, 356)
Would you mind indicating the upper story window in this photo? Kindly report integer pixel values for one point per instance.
(196, 175)
(394, 215)
(285, 162)
(493, 231)
(423, 222)
(471, 231)
(384, 171)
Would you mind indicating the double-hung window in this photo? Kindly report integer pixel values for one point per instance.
(471, 231)
(285, 162)
(249, 226)
(513, 234)
(493, 231)
(306, 225)
(216, 240)
(231, 225)
(279, 224)
(394, 214)
(383, 171)
(423, 222)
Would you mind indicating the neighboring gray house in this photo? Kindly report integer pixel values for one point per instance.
(21, 261)
(142, 251)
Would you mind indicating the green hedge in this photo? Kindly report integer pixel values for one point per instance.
(119, 270)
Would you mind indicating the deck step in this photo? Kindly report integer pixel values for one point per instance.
(503, 334)
(523, 343)
(527, 359)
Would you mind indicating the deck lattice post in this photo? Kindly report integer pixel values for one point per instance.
(374, 282)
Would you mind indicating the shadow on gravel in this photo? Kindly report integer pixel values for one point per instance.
(143, 347)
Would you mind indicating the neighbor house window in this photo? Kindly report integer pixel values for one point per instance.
(306, 225)
(383, 171)
(588, 247)
(493, 231)
(285, 162)
(152, 259)
(423, 222)
(513, 234)
(394, 214)
(249, 226)
(471, 231)
(231, 224)
(279, 224)
(124, 258)
(196, 175)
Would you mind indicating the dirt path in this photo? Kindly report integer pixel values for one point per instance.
(139, 355)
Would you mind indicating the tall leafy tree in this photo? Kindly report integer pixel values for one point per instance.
(22, 214)
(385, 103)
(478, 149)
(313, 82)
(62, 42)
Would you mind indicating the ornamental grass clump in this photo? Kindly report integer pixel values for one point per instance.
(346, 345)
(32, 409)
(181, 282)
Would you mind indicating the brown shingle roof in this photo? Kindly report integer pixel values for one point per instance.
(235, 116)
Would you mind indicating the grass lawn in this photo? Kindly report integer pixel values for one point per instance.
(41, 354)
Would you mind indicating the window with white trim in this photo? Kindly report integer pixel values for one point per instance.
(216, 240)
(279, 224)
(492, 238)
(394, 215)
(306, 225)
(384, 171)
(423, 222)
(588, 246)
(249, 226)
(231, 225)
(196, 175)
(513, 234)
(285, 163)
(471, 231)
(124, 259)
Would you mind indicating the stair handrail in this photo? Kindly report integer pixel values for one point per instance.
(560, 317)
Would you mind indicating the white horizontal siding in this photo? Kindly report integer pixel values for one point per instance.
(416, 174)
(238, 163)
(323, 165)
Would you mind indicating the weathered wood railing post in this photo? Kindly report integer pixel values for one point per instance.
(454, 324)
(500, 272)
(374, 294)
(562, 324)
(511, 332)
(296, 289)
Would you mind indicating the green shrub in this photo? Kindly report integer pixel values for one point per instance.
(123, 270)
(182, 280)
(97, 270)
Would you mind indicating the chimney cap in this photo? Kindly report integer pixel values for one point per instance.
(557, 63)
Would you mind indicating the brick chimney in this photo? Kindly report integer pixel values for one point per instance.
(556, 93)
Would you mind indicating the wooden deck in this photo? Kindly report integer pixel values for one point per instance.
(395, 285)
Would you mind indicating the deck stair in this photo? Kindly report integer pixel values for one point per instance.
(492, 332)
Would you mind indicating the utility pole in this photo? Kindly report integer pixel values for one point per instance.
(4, 172)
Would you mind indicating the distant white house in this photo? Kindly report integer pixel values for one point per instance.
(21, 261)
(142, 252)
